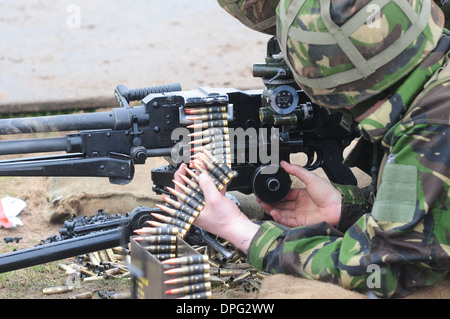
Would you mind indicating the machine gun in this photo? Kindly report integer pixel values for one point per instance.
(280, 119)
(109, 144)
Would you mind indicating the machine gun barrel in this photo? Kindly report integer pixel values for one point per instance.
(118, 118)
(63, 249)
(52, 144)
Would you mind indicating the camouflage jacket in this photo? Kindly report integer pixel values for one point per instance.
(400, 240)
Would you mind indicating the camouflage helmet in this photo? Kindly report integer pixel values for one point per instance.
(344, 52)
(259, 15)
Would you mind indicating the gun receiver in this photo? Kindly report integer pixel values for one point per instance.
(108, 144)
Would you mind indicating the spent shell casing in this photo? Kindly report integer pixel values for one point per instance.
(177, 214)
(210, 131)
(186, 199)
(199, 295)
(172, 221)
(191, 193)
(111, 255)
(204, 110)
(57, 290)
(208, 124)
(181, 206)
(69, 270)
(158, 239)
(188, 270)
(83, 295)
(207, 117)
(187, 260)
(157, 230)
(188, 279)
(161, 248)
(190, 289)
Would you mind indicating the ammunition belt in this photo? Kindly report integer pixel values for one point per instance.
(211, 154)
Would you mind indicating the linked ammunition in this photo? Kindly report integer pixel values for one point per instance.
(204, 110)
(215, 170)
(211, 139)
(190, 201)
(200, 295)
(224, 167)
(210, 132)
(172, 221)
(158, 239)
(57, 290)
(212, 146)
(192, 173)
(177, 214)
(208, 124)
(193, 185)
(191, 193)
(188, 279)
(161, 248)
(188, 270)
(207, 117)
(157, 230)
(187, 260)
(154, 223)
(164, 256)
(218, 183)
(181, 206)
(195, 288)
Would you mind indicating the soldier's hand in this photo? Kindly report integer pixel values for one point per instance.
(221, 216)
(318, 202)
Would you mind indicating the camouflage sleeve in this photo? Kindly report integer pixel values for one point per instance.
(404, 242)
(356, 202)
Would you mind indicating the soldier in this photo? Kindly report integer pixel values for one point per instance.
(389, 73)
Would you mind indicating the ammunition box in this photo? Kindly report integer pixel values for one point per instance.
(148, 271)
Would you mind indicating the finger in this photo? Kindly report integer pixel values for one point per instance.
(268, 208)
(180, 171)
(300, 172)
(208, 188)
(284, 217)
(315, 185)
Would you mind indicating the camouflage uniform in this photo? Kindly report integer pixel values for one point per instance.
(401, 226)
(258, 15)
(411, 243)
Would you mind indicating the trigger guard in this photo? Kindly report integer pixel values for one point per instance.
(311, 164)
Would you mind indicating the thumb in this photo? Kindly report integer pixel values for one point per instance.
(298, 171)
